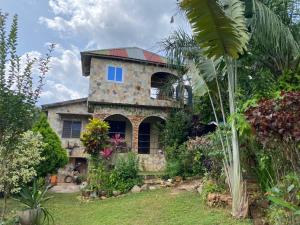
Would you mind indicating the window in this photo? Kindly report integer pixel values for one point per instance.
(71, 129)
(144, 139)
(117, 127)
(115, 74)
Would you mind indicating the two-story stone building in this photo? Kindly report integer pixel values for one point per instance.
(125, 89)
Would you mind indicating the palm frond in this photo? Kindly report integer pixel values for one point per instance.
(217, 33)
(269, 31)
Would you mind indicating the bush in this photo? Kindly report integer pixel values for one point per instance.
(183, 163)
(122, 178)
(208, 156)
(54, 155)
(198, 156)
(209, 186)
(285, 198)
(277, 126)
(176, 130)
(173, 168)
(125, 174)
(95, 137)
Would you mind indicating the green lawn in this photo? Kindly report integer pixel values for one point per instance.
(154, 207)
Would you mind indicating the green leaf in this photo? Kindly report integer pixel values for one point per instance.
(291, 187)
(218, 33)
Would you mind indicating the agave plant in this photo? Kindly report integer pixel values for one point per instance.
(34, 198)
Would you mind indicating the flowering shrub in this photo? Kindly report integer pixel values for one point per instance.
(106, 153)
(118, 143)
(95, 137)
(19, 168)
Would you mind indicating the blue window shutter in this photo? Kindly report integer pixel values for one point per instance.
(111, 73)
(119, 74)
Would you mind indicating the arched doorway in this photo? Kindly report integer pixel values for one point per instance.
(149, 135)
(120, 125)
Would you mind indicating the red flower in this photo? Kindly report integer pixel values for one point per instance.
(117, 139)
(106, 153)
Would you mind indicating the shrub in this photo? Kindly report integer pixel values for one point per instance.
(209, 186)
(285, 198)
(277, 126)
(176, 130)
(95, 137)
(173, 168)
(125, 174)
(208, 155)
(53, 153)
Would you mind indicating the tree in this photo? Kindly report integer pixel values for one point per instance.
(222, 34)
(19, 167)
(18, 96)
(55, 156)
(219, 38)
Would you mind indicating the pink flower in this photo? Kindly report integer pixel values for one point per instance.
(117, 139)
(106, 153)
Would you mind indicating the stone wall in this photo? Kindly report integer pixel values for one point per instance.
(135, 88)
(136, 115)
(57, 114)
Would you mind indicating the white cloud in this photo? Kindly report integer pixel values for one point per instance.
(113, 23)
(64, 80)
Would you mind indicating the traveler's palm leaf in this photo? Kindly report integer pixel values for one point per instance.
(218, 32)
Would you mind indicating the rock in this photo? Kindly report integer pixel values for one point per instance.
(83, 185)
(116, 193)
(136, 189)
(200, 189)
(216, 199)
(169, 184)
(178, 179)
(93, 194)
(145, 187)
(102, 193)
(154, 187)
(187, 187)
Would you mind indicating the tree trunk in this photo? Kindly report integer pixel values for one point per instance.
(4, 206)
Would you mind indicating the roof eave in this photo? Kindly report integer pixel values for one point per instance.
(86, 61)
(63, 103)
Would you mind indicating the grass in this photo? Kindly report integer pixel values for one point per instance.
(158, 207)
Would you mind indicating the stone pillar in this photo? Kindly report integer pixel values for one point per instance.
(135, 121)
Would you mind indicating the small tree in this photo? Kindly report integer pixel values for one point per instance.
(95, 139)
(55, 156)
(18, 96)
(19, 168)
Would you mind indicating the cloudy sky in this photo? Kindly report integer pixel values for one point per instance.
(78, 25)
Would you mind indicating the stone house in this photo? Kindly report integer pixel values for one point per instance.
(126, 89)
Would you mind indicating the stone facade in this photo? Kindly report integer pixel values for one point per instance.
(76, 111)
(135, 88)
(129, 101)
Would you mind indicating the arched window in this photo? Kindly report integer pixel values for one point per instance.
(162, 86)
(120, 124)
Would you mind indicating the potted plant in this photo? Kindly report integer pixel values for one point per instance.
(34, 198)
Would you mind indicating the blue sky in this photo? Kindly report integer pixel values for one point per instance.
(78, 25)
